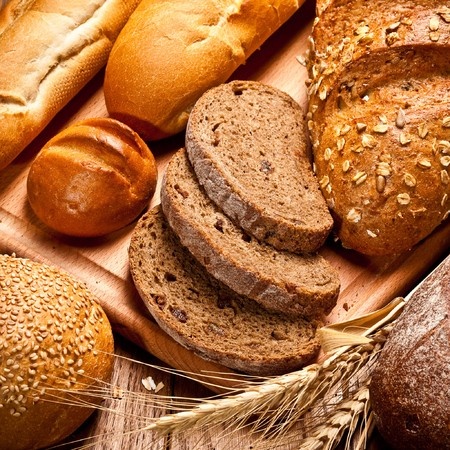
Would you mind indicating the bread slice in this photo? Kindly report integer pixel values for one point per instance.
(205, 316)
(247, 142)
(303, 285)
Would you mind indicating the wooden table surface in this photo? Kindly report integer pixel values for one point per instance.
(102, 265)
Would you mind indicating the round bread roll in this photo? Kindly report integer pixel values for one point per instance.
(55, 340)
(93, 178)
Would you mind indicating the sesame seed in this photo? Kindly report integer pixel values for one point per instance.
(371, 233)
(400, 121)
(346, 166)
(380, 183)
(422, 130)
(434, 23)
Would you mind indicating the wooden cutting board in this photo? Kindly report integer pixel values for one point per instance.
(367, 283)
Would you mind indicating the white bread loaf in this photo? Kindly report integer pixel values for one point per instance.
(49, 51)
(172, 51)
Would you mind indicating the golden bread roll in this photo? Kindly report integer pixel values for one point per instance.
(172, 51)
(94, 177)
(55, 340)
(49, 50)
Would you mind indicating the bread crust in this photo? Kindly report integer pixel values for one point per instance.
(409, 391)
(92, 178)
(190, 47)
(303, 285)
(67, 44)
(248, 145)
(55, 339)
(379, 121)
(205, 316)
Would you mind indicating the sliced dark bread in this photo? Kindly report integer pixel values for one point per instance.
(303, 285)
(204, 315)
(247, 142)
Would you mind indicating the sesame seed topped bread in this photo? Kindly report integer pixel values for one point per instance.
(379, 119)
(304, 285)
(247, 142)
(204, 315)
(56, 352)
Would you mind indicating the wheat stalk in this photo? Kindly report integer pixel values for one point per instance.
(314, 406)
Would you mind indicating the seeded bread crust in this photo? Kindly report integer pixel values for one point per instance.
(303, 285)
(204, 315)
(247, 143)
(409, 390)
(379, 120)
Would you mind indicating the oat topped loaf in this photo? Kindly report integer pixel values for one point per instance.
(303, 285)
(247, 142)
(207, 317)
(379, 119)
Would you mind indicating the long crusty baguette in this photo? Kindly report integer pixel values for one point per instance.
(49, 50)
(380, 119)
(172, 51)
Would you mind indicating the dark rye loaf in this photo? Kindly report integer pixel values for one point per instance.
(303, 285)
(247, 142)
(204, 315)
(410, 387)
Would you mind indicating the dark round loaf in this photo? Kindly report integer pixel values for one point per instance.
(410, 391)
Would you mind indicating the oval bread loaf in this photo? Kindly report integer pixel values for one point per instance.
(49, 50)
(410, 386)
(92, 178)
(55, 340)
(172, 51)
(380, 121)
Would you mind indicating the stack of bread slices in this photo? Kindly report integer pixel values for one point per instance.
(228, 264)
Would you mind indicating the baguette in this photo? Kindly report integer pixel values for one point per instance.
(379, 119)
(172, 51)
(49, 51)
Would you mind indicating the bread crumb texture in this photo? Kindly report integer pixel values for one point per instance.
(204, 315)
(55, 340)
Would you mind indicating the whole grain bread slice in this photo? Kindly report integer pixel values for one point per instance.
(247, 142)
(303, 285)
(204, 315)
